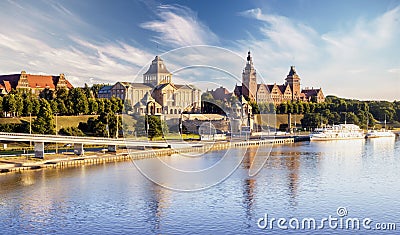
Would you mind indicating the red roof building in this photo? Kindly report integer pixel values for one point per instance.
(34, 83)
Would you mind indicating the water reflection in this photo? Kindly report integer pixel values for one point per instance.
(249, 184)
(301, 180)
(158, 201)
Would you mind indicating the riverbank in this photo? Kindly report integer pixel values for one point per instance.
(22, 164)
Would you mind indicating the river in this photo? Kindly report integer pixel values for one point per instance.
(359, 178)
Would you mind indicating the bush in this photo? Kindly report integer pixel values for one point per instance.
(71, 131)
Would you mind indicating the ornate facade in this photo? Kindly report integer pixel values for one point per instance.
(157, 90)
(32, 83)
(289, 91)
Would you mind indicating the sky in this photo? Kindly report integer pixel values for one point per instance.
(350, 48)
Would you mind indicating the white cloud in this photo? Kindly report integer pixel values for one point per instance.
(179, 26)
(349, 62)
(43, 45)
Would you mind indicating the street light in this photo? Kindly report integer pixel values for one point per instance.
(116, 134)
(30, 128)
(56, 133)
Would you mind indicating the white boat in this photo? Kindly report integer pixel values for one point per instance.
(337, 132)
(379, 134)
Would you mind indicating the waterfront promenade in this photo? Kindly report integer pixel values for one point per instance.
(20, 164)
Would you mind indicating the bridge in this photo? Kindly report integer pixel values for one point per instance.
(78, 142)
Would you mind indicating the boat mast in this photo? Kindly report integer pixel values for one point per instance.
(385, 121)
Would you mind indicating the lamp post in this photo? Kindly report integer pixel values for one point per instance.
(56, 133)
(181, 125)
(30, 129)
(108, 128)
(116, 134)
(146, 125)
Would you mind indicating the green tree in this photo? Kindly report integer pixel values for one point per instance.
(19, 102)
(87, 91)
(47, 94)
(313, 120)
(62, 94)
(100, 105)
(9, 104)
(44, 122)
(1, 106)
(35, 107)
(79, 101)
(300, 107)
(71, 131)
(27, 106)
(93, 106)
(117, 105)
(155, 127)
(108, 106)
(61, 107)
(54, 106)
(283, 108)
(254, 107)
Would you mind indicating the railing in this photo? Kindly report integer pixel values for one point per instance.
(61, 138)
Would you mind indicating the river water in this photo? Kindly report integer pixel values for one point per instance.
(302, 180)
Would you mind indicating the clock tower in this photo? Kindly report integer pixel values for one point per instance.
(249, 80)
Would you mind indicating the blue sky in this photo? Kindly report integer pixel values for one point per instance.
(349, 48)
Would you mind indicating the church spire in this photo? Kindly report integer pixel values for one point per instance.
(249, 59)
(292, 71)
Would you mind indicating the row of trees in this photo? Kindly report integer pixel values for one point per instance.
(362, 113)
(77, 101)
(333, 110)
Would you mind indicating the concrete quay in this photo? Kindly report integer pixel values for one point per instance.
(133, 154)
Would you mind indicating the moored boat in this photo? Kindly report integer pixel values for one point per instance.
(379, 134)
(337, 132)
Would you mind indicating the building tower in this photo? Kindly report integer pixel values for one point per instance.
(293, 80)
(157, 73)
(249, 80)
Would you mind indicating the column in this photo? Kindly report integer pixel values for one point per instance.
(39, 150)
(78, 149)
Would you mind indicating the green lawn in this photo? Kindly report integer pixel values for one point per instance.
(62, 121)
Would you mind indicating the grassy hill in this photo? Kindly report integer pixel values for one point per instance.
(62, 121)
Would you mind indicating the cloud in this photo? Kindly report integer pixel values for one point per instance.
(52, 42)
(179, 26)
(350, 62)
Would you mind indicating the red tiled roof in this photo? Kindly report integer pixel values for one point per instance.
(69, 85)
(7, 85)
(34, 81)
(40, 81)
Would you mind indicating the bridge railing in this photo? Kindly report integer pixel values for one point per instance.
(65, 139)
(58, 136)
